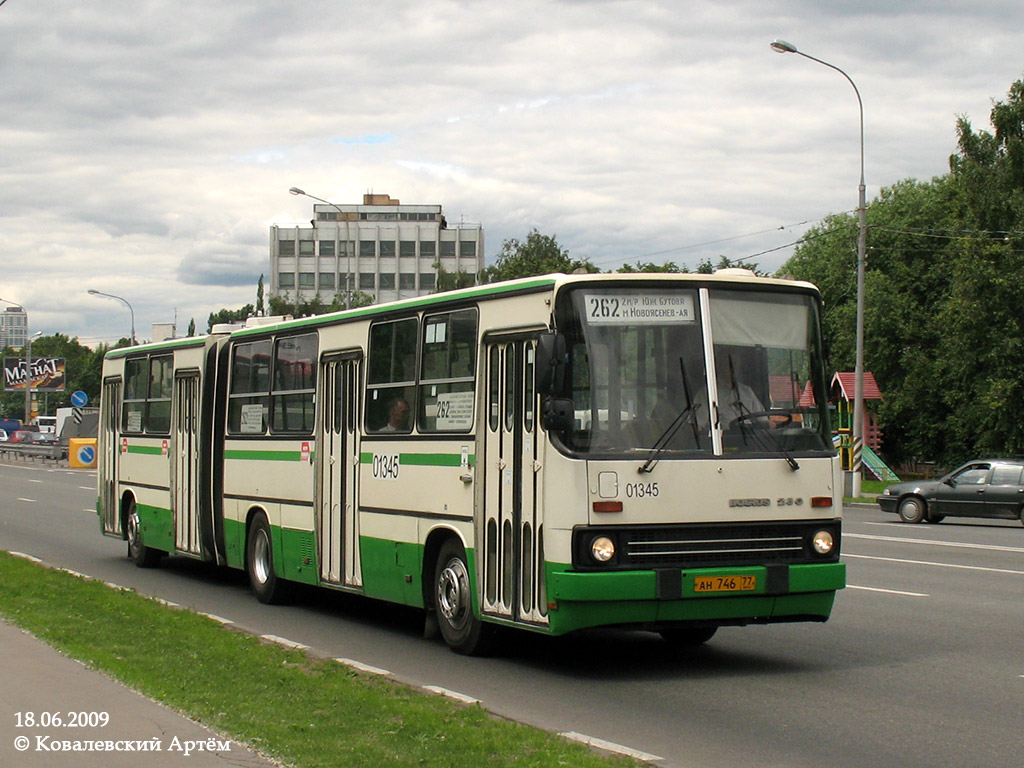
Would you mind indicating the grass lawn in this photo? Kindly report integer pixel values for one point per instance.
(302, 710)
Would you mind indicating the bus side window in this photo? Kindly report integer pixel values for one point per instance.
(391, 376)
(448, 370)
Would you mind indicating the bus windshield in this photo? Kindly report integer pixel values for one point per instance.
(693, 370)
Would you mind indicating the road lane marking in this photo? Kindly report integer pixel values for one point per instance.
(937, 565)
(609, 746)
(888, 591)
(957, 545)
(29, 501)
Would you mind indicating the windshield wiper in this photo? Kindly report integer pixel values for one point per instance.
(666, 437)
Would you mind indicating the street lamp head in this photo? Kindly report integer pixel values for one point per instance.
(296, 191)
(781, 46)
(94, 292)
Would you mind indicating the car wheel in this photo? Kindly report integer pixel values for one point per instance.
(912, 510)
(138, 552)
(934, 518)
(453, 601)
(259, 562)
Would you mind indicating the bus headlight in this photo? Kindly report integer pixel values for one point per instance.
(602, 549)
(823, 542)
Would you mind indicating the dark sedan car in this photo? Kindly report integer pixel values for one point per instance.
(983, 488)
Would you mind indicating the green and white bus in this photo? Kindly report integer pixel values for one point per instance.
(552, 453)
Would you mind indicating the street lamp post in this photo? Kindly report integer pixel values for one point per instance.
(781, 46)
(348, 262)
(28, 376)
(94, 292)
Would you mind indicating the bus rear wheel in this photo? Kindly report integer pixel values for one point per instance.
(259, 562)
(453, 601)
(138, 552)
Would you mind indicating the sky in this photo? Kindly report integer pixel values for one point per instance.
(147, 146)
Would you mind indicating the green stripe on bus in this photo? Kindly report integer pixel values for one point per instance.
(266, 455)
(424, 459)
(148, 450)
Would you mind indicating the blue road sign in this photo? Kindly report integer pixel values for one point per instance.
(79, 399)
(87, 455)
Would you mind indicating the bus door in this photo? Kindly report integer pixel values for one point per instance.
(513, 525)
(337, 460)
(107, 455)
(184, 448)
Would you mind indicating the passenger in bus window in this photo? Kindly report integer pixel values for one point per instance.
(398, 416)
(735, 397)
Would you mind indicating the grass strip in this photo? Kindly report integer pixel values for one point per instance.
(289, 705)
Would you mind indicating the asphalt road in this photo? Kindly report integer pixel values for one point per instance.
(921, 664)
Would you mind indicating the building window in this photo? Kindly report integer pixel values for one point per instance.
(447, 249)
(326, 247)
(286, 279)
(367, 282)
(467, 249)
(367, 249)
(307, 279)
(347, 248)
(407, 249)
(286, 247)
(306, 247)
(427, 282)
(387, 281)
(407, 281)
(387, 249)
(427, 249)
(326, 281)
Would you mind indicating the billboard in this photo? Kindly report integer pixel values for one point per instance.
(48, 374)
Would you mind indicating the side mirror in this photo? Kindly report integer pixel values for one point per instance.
(551, 355)
(557, 414)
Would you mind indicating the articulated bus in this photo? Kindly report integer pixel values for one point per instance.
(552, 453)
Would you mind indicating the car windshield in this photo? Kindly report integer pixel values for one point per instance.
(684, 369)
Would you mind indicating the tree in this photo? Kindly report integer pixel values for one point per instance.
(648, 266)
(192, 327)
(450, 281)
(944, 321)
(539, 255)
(259, 297)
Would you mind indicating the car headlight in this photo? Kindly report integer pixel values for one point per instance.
(823, 542)
(602, 549)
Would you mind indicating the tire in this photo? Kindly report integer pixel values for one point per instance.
(460, 627)
(259, 563)
(138, 552)
(687, 637)
(912, 510)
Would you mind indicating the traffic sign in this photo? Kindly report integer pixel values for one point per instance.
(79, 399)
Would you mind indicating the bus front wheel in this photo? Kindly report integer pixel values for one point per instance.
(138, 552)
(259, 561)
(453, 601)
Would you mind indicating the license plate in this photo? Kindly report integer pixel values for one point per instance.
(725, 583)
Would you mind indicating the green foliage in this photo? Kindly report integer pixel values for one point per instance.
(229, 316)
(650, 266)
(82, 371)
(450, 281)
(539, 255)
(944, 312)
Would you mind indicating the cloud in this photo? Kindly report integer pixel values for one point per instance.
(148, 146)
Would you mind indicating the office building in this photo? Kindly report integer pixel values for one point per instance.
(13, 327)
(381, 248)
